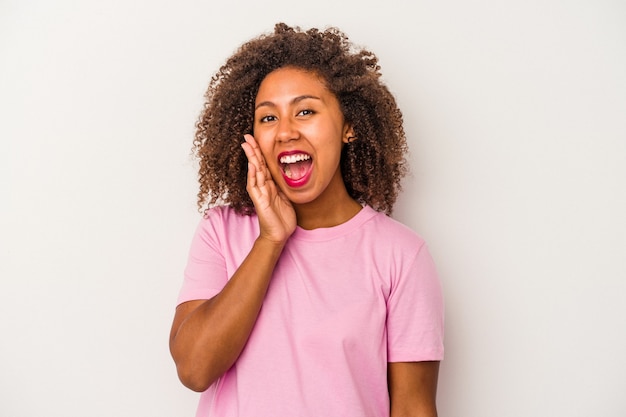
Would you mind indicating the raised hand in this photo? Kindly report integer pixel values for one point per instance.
(277, 218)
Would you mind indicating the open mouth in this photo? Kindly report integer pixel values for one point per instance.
(295, 167)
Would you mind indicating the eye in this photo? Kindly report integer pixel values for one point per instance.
(306, 112)
(268, 118)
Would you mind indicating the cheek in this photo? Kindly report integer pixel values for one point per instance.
(262, 139)
(266, 149)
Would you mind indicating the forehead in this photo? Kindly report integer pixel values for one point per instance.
(290, 81)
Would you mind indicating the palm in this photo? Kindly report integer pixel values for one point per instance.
(277, 218)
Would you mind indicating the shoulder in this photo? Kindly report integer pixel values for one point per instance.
(223, 221)
(390, 244)
(391, 232)
(226, 215)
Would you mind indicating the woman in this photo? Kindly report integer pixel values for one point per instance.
(302, 297)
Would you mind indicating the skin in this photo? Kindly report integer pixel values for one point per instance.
(293, 111)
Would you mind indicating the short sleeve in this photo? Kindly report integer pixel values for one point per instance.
(205, 273)
(415, 312)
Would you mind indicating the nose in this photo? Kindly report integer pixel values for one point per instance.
(287, 130)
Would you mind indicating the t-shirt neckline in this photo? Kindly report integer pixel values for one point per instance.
(328, 233)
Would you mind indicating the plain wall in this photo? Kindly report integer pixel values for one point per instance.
(516, 118)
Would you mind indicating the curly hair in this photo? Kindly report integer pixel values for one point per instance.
(372, 166)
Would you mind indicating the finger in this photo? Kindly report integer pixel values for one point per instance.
(250, 139)
(283, 197)
(251, 155)
(260, 177)
(258, 155)
(251, 176)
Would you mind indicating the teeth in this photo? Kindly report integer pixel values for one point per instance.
(290, 159)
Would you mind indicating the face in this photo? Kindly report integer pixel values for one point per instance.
(300, 129)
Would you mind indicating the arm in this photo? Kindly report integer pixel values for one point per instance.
(413, 388)
(207, 336)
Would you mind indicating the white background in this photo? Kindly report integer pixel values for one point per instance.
(516, 117)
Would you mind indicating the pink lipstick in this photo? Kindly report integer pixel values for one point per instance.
(296, 167)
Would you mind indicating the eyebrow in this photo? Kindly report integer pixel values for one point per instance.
(294, 101)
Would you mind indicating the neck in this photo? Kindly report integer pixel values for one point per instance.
(322, 213)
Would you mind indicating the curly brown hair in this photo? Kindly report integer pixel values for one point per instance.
(372, 166)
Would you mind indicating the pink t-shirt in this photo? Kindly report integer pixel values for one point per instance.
(343, 301)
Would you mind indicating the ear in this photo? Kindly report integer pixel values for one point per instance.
(348, 134)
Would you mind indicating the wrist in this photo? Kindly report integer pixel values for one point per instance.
(269, 244)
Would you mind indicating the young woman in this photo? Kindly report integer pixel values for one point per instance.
(301, 296)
